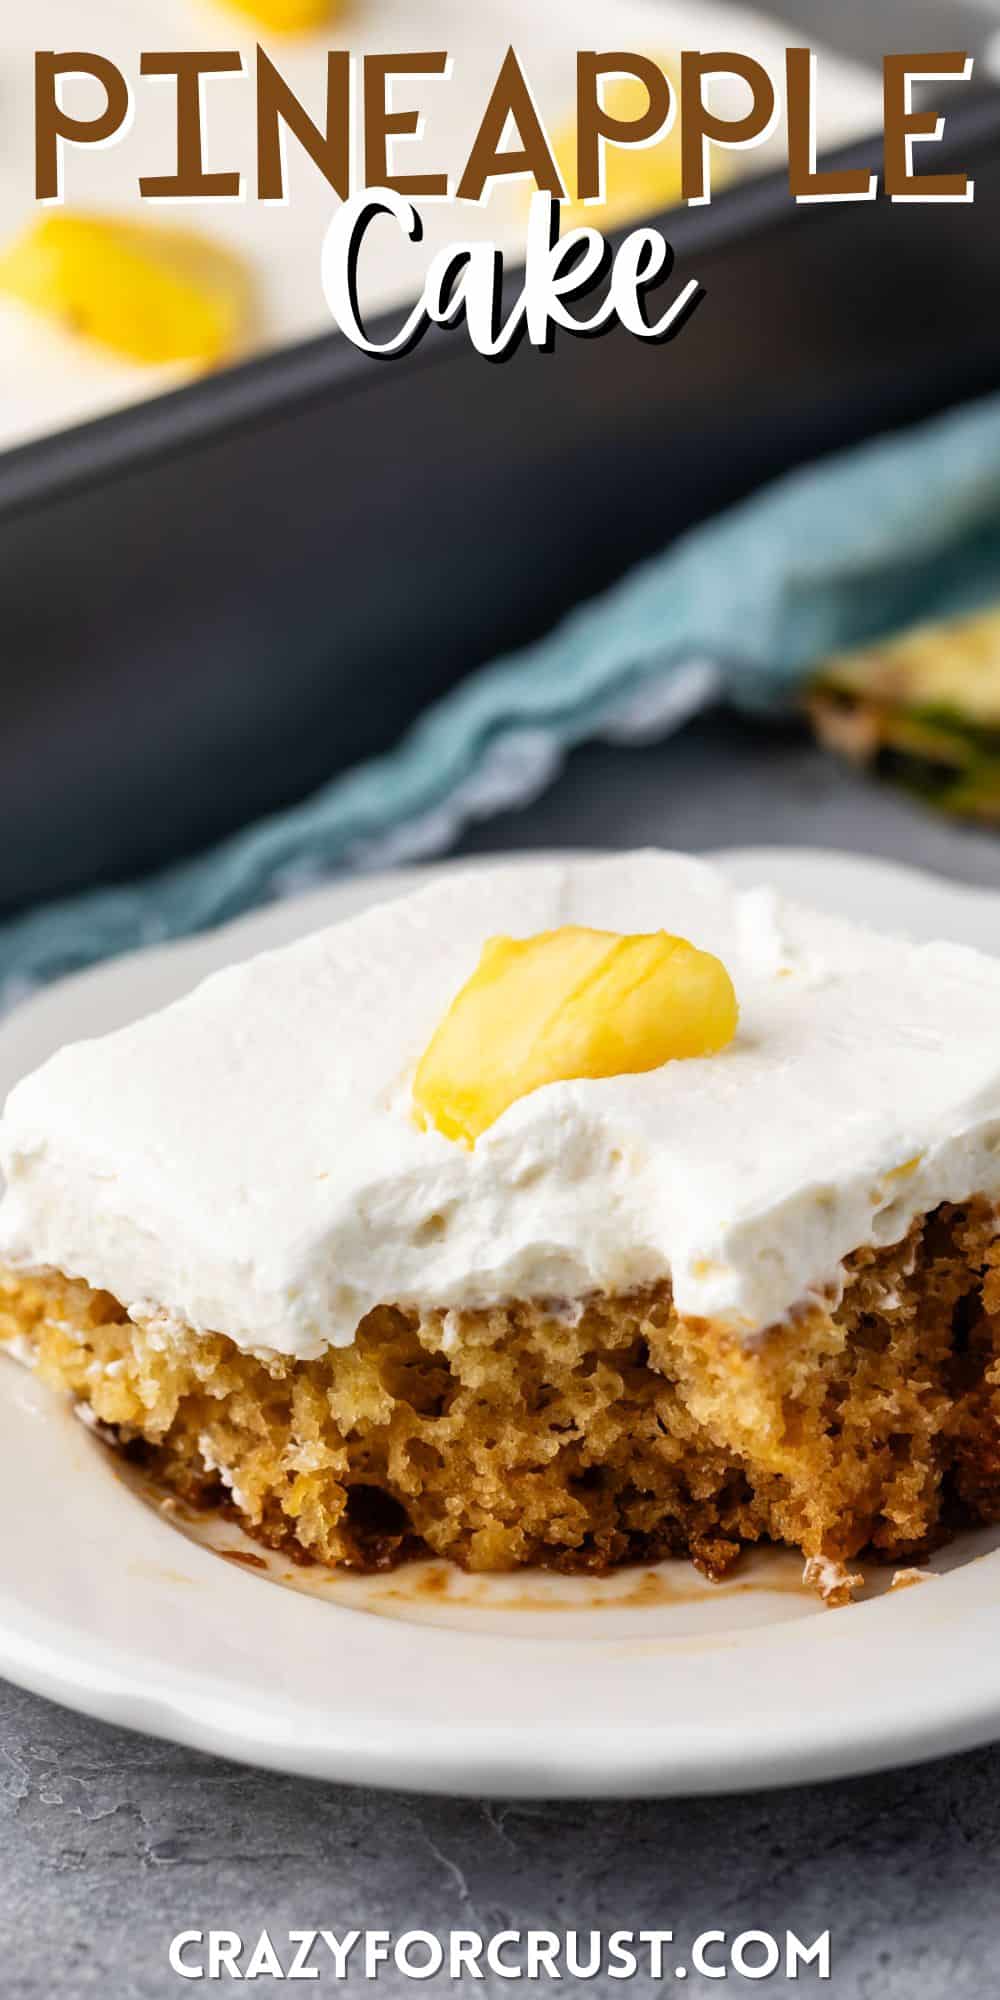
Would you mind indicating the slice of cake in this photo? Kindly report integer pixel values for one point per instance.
(564, 1214)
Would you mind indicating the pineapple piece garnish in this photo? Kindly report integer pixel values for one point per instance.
(568, 1003)
(149, 292)
(289, 17)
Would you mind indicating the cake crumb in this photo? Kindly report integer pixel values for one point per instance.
(832, 1581)
(902, 1578)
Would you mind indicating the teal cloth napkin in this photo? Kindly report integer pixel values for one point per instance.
(866, 541)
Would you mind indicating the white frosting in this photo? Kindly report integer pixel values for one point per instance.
(248, 1159)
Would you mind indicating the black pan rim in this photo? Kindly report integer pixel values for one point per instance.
(328, 367)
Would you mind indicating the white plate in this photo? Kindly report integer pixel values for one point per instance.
(651, 1682)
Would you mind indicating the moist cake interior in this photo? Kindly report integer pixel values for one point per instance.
(575, 1437)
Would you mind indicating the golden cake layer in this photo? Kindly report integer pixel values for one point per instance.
(580, 1437)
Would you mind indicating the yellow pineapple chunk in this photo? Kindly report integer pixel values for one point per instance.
(293, 17)
(638, 180)
(149, 292)
(568, 1003)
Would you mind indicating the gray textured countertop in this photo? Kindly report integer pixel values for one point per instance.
(109, 1843)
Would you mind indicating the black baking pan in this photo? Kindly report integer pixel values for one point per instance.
(214, 601)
